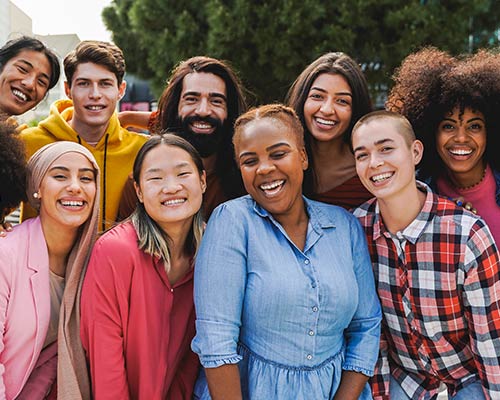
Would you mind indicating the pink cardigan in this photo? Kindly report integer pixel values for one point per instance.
(25, 314)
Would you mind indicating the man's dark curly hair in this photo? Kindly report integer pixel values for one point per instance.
(12, 169)
(430, 83)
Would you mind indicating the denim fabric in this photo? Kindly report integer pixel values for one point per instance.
(474, 391)
(296, 318)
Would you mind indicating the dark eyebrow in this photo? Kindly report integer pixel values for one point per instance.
(66, 169)
(273, 146)
(475, 119)
(377, 143)
(337, 94)
(31, 66)
(211, 94)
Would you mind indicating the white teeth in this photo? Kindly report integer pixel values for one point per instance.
(461, 152)
(326, 121)
(95, 108)
(174, 201)
(20, 95)
(381, 177)
(201, 125)
(72, 203)
(272, 185)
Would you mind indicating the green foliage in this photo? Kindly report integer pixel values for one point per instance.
(269, 42)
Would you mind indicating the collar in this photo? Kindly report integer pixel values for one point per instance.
(413, 231)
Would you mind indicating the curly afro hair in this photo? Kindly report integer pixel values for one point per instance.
(12, 169)
(431, 83)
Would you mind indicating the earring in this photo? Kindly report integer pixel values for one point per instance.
(36, 195)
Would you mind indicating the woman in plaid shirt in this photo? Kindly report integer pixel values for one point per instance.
(437, 272)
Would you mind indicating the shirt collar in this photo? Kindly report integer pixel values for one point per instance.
(413, 231)
(317, 218)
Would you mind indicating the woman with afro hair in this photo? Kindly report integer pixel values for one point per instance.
(454, 107)
(12, 171)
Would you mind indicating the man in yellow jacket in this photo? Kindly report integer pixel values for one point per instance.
(94, 73)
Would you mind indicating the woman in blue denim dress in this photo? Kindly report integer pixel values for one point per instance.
(284, 292)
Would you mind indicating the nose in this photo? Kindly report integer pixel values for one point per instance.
(74, 185)
(29, 81)
(461, 135)
(327, 107)
(376, 161)
(95, 93)
(203, 108)
(171, 186)
(265, 167)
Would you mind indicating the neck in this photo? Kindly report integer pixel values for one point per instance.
(467, 180)
(295, 223)
(58, 249)
(328, 174)
(178, 234)
(401, 210)
(91, 134)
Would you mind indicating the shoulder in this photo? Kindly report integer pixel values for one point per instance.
(447, 212)
(333, 213)
(117, 239)
(239, 207)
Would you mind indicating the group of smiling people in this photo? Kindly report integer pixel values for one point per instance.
(283, 293)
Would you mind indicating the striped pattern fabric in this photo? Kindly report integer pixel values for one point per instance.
(439, 285)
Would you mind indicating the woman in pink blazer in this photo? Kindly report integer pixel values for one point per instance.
(42, 263)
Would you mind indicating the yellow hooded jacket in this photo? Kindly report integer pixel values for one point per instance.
(115, 154)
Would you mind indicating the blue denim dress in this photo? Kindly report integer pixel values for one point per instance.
(291, 319)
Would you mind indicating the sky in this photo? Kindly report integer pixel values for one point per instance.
(51, 17)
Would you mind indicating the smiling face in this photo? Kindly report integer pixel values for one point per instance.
(328, 107)
(95, 92)
(385, 158)
(461, 143)
(67, 192)
(170, 186)
(202, 111)
(24, 81)
(272, 165)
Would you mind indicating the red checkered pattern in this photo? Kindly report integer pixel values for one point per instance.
(439, 285)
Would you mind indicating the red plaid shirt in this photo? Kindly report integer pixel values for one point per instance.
(439, 285)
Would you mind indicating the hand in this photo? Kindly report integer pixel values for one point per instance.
(4, 228)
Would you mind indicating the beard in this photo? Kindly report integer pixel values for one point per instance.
(205, 144)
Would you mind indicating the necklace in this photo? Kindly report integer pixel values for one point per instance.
(470, 186)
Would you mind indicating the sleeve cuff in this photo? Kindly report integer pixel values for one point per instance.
(209, 362)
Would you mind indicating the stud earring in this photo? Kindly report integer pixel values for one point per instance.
(36, 195)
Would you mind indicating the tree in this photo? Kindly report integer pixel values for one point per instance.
(270, 42)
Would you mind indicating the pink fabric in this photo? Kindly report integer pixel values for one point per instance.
(24, 288)
(136, 328)
(482, 198)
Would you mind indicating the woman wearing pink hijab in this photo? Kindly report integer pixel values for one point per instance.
(42, 263)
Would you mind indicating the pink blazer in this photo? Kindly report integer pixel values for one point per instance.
(25, 314)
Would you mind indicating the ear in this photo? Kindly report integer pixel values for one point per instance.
(122, 89)
(303, 158)
(417, 149)
(67, 89)
(138, 192)
(203, 179)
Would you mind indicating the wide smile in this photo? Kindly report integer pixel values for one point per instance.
(460, 153)
(202, 127)
(73, 205)
(174, 202)
(324, 123)
(272, 188)
(20, 95)
(95, 108)
(381, 178)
